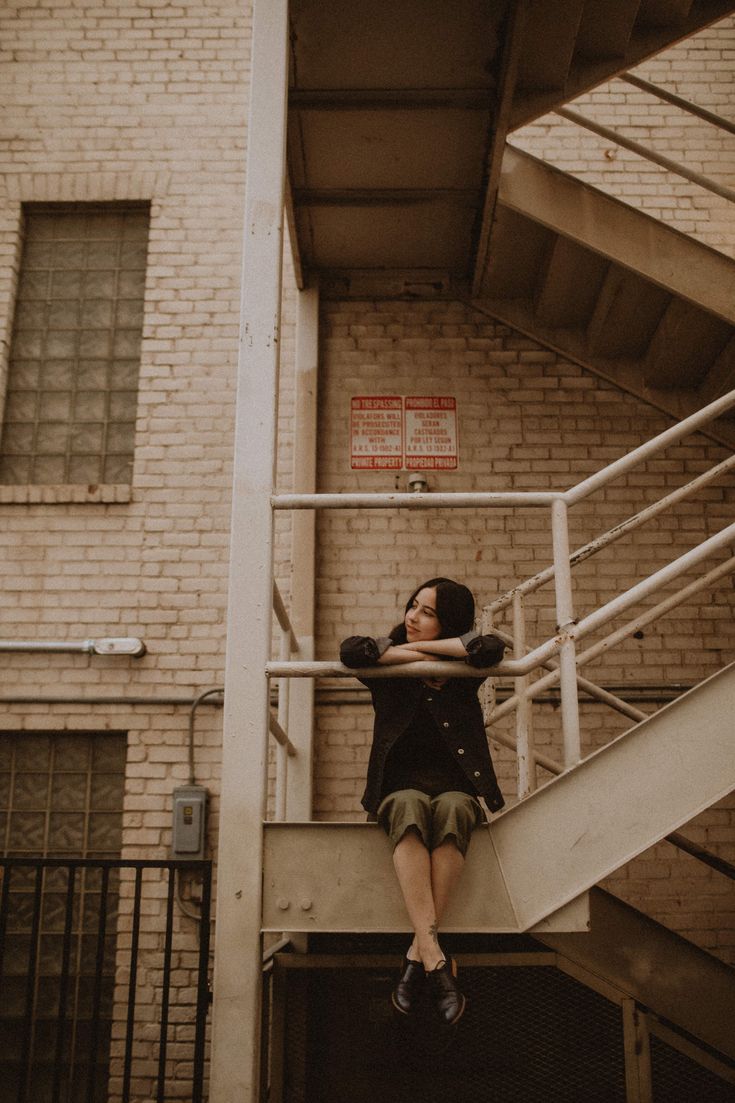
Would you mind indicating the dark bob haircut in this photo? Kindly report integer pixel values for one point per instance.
(455, 608)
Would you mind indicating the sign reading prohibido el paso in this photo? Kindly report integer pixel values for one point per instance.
(430, 433)
(418, 432)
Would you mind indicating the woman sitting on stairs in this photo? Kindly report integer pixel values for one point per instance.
(428, 766)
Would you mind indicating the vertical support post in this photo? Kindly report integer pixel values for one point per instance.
(238, 960)
(303, 558)
(525, 756)
(564, 619)
(637, 1050)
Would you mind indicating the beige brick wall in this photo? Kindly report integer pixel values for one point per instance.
(527, 420)
(699, 70)
(106, 101)
(133, 101)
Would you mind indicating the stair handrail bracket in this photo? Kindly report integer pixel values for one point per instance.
(557, 655)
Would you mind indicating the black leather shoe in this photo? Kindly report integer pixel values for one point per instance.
(407, 992)
(444, 993)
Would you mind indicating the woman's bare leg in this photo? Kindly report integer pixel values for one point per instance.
(413, 865)
(447, 863)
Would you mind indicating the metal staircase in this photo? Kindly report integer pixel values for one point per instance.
(540, 855)
(400, 184)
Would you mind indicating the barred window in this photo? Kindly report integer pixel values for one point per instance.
(61, 796)
(70, 403)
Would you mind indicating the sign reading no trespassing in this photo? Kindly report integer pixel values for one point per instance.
(376, 432)
(418, 432)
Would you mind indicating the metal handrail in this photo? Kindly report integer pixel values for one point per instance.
(678, 101)
(570, 629)
(538, 655)
(530, 585)
(491, 499)
(279, 608)
(278, 725)
(643, 151)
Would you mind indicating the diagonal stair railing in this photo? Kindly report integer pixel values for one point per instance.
(557, 656)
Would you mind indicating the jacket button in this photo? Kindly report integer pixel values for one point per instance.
(429, 698)
(477, 773)
(460, 750)
(445, 724)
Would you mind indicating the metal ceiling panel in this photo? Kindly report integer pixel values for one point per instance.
(411, 44)
(431, 234)
(391, 148)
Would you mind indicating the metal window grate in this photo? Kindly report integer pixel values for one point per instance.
(89, 1011)
(531, 1035)
(60, 795)
(71, 399)
(676, 1077)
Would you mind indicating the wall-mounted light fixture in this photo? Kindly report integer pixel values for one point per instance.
(417, 482)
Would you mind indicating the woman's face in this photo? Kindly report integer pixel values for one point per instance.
(421, 620)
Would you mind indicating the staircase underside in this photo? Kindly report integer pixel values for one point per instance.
(537, 858)
(660, 970)
(401, 183)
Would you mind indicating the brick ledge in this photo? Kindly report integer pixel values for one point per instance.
(63, 494)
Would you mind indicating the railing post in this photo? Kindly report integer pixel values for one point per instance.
(234, 1068)
(564, 619)
(303, 557)
(284, 689)
(525, 756)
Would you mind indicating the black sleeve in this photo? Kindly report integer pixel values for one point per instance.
(359, 651)
(483, 651)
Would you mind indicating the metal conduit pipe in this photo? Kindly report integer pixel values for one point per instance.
(128, 646)
(219, 690)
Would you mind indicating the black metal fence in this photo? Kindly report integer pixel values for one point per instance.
(103, 985)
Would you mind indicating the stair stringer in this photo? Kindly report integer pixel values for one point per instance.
(619, 801)
(532, 866)
(669, 975)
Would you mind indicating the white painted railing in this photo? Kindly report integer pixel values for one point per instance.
(557, 656)
(279, 724)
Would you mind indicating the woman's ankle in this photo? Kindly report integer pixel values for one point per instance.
(430, 956)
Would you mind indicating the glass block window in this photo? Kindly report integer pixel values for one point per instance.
(61, 795)
(70, 404)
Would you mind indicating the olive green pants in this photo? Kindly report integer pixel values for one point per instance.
(435, 819)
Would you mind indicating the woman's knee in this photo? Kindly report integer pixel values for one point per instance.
(454, 817)
(407, 811)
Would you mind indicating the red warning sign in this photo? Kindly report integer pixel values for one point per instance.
(418, 432)
(376, 432)
(430, 433)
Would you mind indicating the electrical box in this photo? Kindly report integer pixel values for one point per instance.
(190, 814)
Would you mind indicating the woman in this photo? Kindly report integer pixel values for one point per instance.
(428, 765)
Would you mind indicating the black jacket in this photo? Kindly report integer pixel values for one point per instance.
(454, 708)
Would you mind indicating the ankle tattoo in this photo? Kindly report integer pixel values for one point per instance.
(433, 931)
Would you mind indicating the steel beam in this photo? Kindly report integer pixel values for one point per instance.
(339, 877)
(617, 231)
(238, 959)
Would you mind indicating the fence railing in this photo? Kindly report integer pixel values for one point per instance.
(557, 655)
(99, 1001)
